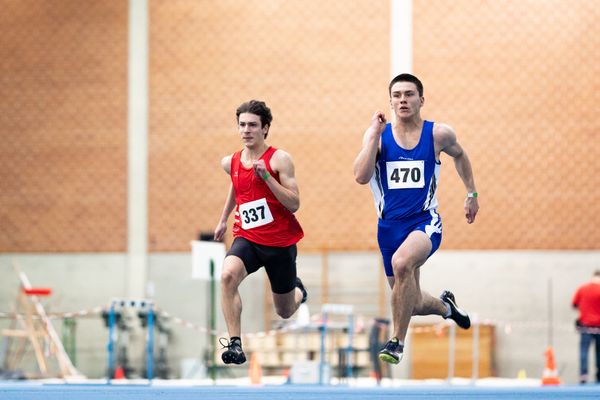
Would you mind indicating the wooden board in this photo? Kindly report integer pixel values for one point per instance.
(430, 352)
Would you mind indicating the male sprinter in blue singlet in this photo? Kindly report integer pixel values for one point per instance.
(401, 162)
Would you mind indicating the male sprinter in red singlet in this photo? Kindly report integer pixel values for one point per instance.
(265, 195)
(401, 161)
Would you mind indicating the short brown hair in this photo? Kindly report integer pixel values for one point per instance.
(256, 107)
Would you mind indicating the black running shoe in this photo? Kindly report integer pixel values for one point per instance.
(300, 286)
(392, 352)
(234, 353)
(456, 314)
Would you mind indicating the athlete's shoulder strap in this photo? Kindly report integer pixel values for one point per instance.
(386, 136)
(269, 153)
(428, 127)
(235, 162)
(267, 158)
(428, 132)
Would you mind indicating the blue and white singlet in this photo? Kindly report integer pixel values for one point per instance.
(405, 181)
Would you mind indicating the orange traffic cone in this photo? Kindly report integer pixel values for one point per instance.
(255, 370)
(119, 373)
(550, 376)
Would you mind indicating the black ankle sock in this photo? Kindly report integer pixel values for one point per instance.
(235, 338)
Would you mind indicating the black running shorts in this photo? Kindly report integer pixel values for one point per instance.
(279, 262)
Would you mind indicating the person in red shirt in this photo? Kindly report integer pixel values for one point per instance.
(264, 194)
(587, 301)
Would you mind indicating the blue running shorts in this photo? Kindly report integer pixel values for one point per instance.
(391, 234)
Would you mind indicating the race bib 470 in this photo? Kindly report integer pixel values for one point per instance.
(405, 174)
(255, 213)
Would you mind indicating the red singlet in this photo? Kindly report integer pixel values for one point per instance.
(259, 216)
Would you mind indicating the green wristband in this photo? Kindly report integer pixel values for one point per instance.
(266, 175)
(472, 194)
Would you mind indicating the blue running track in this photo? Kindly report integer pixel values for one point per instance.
(31, 391)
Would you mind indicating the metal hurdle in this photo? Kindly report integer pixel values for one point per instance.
(340, 309)
(139, 305)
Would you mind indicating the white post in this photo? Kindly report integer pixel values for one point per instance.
(401, 34)
(137, 128)
(451, 351)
